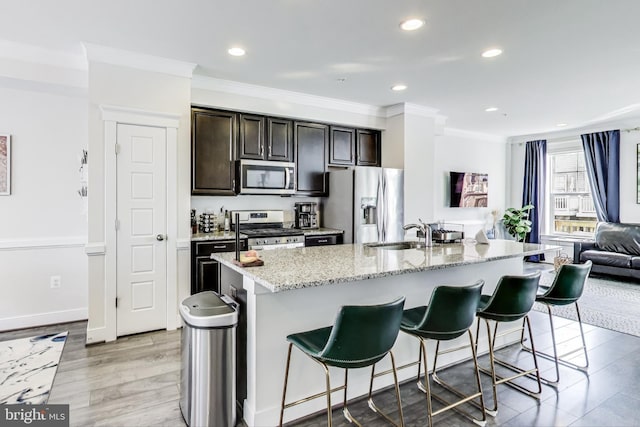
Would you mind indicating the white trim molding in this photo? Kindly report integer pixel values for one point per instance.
(125, 115)
(183, 244)
(264, 92)
(413, 109)
(95, 248)
(126, 58)
(43, 243)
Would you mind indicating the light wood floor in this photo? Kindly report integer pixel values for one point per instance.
(134, 381)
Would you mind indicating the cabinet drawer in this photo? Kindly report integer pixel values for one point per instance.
(329, 239)
(207, 248)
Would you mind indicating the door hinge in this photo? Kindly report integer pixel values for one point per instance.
(117, 149)
(117, 224)
(117, 302)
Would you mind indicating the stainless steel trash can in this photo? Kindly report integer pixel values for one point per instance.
(208, 353)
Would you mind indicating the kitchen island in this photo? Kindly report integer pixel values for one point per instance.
(302, 289)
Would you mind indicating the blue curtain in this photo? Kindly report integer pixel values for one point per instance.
(535, 164)
(602, 154)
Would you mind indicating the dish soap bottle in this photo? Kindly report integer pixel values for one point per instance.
(227, 225)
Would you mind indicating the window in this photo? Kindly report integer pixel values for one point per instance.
(571, 205)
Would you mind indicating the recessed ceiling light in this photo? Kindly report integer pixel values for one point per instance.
(491, 109)
(398, 88)
(491, 53)
(561, 125)
(341, 79)
(411, 24)
(236, 51)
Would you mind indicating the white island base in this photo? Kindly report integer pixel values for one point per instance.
(271, 315)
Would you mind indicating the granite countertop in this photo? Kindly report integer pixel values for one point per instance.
(231, 236)
(287, 269)
(218, 235)
(322, 231)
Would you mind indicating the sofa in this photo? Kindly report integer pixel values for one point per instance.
(615, 250)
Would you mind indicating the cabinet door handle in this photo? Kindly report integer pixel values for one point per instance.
(322, 240)
(262, 149)
(220, 247)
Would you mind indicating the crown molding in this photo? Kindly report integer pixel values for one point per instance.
(40, 55)
(488, 137)
(264, 92)
(133, 115)
(125, 58)
(413, 109)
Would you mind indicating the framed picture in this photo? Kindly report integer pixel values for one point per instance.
(638, 174)
(5, 164)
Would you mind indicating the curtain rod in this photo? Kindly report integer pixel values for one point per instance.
(637, 128)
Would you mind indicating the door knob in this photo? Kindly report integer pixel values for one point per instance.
(160, 237)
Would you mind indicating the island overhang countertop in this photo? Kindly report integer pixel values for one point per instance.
(288, 269)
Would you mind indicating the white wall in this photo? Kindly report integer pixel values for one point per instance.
(138, 89)
(469, 153)
(43, 228)
(419, 175)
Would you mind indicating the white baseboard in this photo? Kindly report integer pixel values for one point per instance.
(96, 335)
(40, 319)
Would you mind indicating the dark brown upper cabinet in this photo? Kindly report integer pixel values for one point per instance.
(213, 137)
(368, 147)
(311, 142)
(251, 144)
(279, 139)
(342, 146)
(265, 138)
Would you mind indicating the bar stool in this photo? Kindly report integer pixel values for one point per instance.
(512, 300)
(449, 314)
(567, 288)
(360, 336)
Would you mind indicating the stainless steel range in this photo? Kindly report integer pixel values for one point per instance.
(265, 230)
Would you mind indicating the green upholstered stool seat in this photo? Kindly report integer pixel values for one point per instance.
(566, 288)
(361, 336)
(512, 300)
(449, 314)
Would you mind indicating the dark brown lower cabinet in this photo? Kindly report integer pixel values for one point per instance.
(322, 240)
(205, 272)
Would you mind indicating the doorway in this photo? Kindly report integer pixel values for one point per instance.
(141, 225)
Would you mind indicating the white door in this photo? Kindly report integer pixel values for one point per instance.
(141, 218)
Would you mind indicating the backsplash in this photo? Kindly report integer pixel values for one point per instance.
(214, 203)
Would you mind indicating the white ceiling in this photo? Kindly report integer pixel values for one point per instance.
(569, 61)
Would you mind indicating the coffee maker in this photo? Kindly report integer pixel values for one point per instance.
(305, 215)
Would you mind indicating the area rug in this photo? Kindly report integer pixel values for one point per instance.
(609, 304)
(28, 366)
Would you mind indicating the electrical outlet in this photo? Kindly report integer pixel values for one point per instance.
(55, 281)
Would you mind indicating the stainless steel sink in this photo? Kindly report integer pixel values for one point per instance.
(396, 246)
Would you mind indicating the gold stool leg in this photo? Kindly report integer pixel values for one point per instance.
(558, 359)
(284, 389)
(372, 404)
(463, 398)
(497, 379)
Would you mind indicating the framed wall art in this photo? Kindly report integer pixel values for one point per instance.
(5, 164)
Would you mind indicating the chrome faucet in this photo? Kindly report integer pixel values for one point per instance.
(425, 229)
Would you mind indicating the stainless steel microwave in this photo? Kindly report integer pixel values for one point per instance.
(265, 177)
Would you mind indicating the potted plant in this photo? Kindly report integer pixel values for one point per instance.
(517, 223)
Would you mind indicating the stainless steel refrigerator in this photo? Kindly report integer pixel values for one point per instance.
(367, 203)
